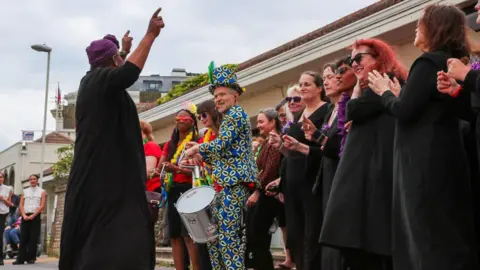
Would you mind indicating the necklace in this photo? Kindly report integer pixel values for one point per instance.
(208, 135)
(180, 148)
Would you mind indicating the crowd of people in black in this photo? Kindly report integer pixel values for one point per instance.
(369, 166)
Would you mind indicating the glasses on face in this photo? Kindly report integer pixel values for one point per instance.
(184, 119)
(293, 99)
(341, 71)
(358, 58)
(202, 116)
(282, 115)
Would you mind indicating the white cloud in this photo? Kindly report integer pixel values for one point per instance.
(196, 32)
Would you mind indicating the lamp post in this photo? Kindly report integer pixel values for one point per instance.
(48, 50)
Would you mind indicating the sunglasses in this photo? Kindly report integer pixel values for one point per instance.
(341, 71)
(202, 116)
(294, 99)
(184, 119)
(358, 58)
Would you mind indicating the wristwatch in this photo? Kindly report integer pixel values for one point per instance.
(123, 54)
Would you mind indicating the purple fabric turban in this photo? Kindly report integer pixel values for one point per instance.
(102, 49)
(113, 39)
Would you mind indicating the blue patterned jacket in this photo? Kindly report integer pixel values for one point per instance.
(230, 154)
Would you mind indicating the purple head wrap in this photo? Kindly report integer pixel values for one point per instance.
(100, 50)
(113, 39)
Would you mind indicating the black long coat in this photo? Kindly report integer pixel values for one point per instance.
(358, 213)
(432, 208)
(106, 222)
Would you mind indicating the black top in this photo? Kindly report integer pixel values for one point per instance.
(329, 161)
(301, 170)
(432, 208)
(106, 221)
(358, 213)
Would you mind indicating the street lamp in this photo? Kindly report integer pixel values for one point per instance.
(48, 50)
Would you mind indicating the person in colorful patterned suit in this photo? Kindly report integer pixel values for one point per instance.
(234, 170)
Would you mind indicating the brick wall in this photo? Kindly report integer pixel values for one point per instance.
(60, 189)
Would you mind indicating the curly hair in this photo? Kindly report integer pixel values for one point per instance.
(450, 35)
(387, 60)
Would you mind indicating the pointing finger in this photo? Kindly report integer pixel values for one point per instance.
(156, 13)
(127, 33)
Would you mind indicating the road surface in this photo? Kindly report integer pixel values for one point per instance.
(44, 263)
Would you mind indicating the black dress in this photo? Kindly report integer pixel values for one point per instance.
(432, 208)
(106, 222)
(303, 208)
(358, 214)
(331, 257)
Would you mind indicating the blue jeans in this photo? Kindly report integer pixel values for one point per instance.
(12, 236)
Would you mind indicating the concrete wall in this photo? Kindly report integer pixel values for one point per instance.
(29, 162)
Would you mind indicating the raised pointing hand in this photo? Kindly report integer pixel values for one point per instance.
(156, 23)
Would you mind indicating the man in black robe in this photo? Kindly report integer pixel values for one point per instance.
(106, 221)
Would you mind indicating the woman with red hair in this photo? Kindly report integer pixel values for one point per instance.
(358, 215)
(433, 226)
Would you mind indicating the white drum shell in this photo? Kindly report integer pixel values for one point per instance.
(194, 207)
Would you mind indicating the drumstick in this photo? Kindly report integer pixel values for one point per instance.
(182, 155)
(161, 172)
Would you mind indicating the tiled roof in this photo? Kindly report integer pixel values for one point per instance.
(55, 137)
(338, 24)
(48, 171)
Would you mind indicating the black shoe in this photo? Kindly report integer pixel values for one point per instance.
(31, 262)
(1, 263)
(18, 263)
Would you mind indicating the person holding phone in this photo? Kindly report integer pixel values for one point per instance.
(261, 215)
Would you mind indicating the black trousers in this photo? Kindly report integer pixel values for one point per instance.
(3, 219)
(304, 215)
(29, 235)
(260, 218)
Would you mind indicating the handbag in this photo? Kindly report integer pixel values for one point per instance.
(154, 200)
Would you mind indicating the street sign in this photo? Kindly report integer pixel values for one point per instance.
(27, 135)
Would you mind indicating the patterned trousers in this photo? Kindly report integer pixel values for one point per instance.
(227, 252)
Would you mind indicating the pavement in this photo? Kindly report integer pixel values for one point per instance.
(45, 263)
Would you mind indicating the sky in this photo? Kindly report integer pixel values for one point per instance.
(196, 32)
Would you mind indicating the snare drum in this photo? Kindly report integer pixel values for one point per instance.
(194, 207)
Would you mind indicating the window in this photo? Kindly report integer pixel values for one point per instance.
(153, 85)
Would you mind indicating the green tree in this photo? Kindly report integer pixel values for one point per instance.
(61, 168)
(188, 85)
